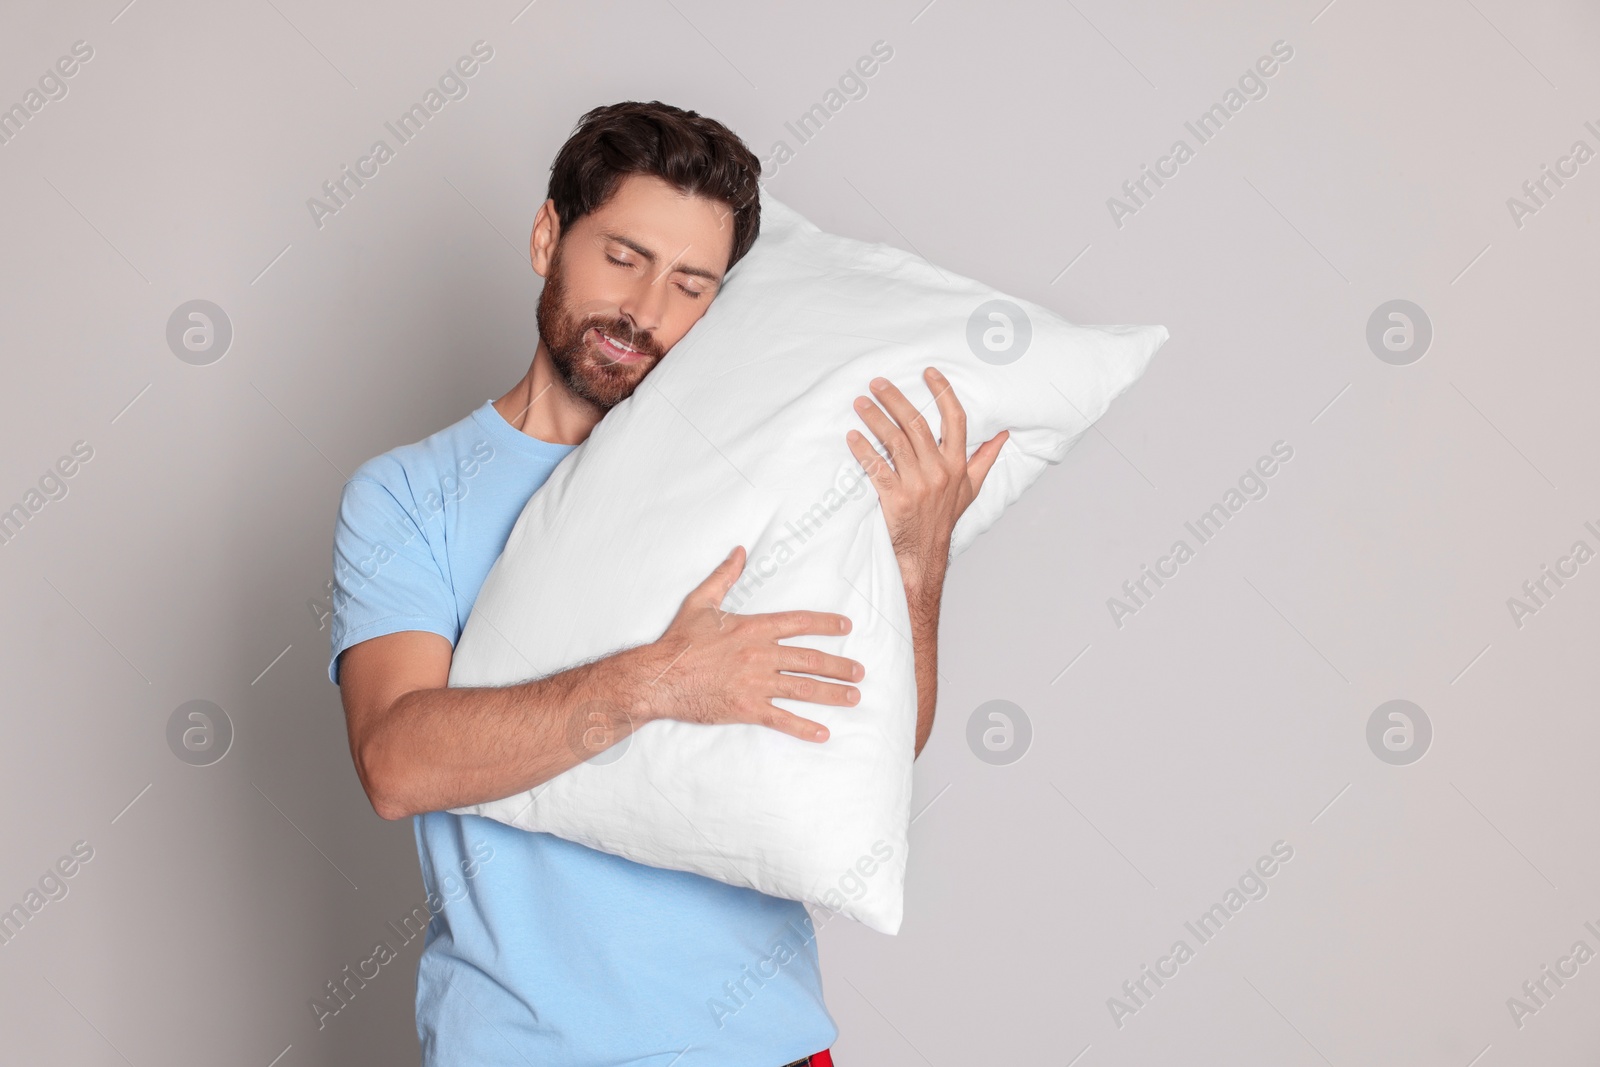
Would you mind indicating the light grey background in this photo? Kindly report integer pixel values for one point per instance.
(188, 559)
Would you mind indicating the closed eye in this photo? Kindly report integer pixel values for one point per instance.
(691, 293)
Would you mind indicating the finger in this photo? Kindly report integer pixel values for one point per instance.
(797, 687)
(885, 430)
(780, 624)
(878, 469)
(983, 459)
(952, 416)
(804, 660)
(771, 715)
(722, 578)
(906, 414)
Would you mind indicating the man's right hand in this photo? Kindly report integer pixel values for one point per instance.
(718, 667)
(420, 745)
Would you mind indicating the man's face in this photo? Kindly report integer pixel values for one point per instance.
(624, 284)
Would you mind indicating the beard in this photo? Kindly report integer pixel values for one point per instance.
(585, 369)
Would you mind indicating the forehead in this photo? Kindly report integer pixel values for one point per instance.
(645, 211)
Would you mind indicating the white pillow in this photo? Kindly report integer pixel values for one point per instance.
(738, 437)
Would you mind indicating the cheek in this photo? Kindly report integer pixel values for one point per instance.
(678, 324)
(591, 287)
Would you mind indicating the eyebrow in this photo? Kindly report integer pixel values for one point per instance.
(651, 258)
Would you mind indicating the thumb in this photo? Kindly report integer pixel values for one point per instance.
(722, 578)
(984, 458)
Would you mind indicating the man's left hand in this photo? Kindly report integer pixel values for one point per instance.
(926, 484)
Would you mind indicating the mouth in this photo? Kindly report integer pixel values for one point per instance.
(617, 351)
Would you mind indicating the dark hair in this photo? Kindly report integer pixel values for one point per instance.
(695, 154)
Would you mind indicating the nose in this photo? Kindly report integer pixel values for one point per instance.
(645, 305)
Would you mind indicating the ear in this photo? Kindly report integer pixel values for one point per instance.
(542, 242)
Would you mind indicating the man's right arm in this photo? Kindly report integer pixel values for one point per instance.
(421, 746)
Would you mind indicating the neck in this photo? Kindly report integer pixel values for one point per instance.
(554, 414)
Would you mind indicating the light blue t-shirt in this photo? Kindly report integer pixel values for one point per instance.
(539, 950)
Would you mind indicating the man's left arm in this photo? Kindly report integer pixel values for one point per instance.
(924, 488)
(923, 600)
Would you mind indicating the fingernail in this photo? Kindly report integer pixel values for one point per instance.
(820, 733)
(880, 383)
(853, 695)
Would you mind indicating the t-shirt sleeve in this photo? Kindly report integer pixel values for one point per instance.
(385, 575)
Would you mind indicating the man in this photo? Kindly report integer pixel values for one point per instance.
(543, 951)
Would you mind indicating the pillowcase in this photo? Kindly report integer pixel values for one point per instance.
(738, 437)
